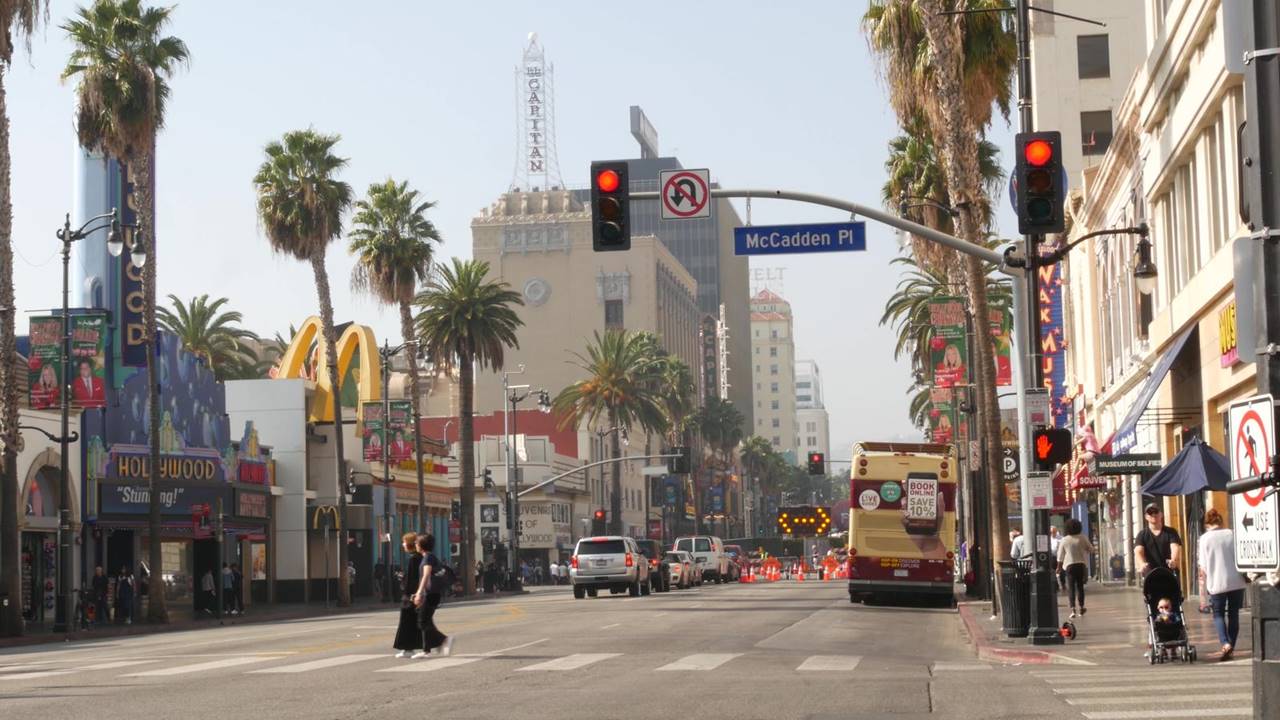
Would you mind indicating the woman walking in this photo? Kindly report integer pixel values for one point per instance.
(1073, 557)
(427, 599)
(408, 637)
(1222, 579)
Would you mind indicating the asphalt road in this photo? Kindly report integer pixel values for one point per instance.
(786, 650)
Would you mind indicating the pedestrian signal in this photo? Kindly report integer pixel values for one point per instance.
(1051, 447)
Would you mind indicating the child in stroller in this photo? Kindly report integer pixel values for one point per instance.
(1166, 631)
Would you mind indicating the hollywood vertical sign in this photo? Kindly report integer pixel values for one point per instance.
(1052, 343)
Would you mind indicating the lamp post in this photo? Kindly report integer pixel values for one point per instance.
(511, 398)
(64, 610)
(607, 494)
(385, 353)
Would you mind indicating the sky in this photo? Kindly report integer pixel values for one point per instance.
(765, 94)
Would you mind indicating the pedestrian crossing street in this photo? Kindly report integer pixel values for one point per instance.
(1200, 690)
(15, 672)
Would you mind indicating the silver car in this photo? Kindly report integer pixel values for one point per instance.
(682, 569)
(609, 561)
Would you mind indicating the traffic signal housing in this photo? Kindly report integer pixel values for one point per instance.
(1050, 447)
(598, 521)
(488, 479)
(610, 206)
(1041, 182)
(817, 463)
(681, 465)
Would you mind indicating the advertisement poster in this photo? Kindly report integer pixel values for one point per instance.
(373, 431)
(258, 555)
(396, 430)
(942, 415)
(947, 348)
(88, 352)
(1002, 343)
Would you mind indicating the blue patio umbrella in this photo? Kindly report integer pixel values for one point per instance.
(1195, 468)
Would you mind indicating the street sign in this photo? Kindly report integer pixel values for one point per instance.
(685, 194)
(1011, 463)
(793, 239)
(1040, 487)
(1131, 464)
(1038, 406)
(1254, 514)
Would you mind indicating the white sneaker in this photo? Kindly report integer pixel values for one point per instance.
(402, 654)
(419, 655)
(447, 647)
(1073, 613)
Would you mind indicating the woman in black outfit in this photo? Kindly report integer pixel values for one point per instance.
(427, 599)
(408, 637)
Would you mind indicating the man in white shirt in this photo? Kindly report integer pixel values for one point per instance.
(1018, 548)
(555, 573)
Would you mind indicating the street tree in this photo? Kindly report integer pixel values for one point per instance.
(122, 62)
(621, 387)
(300, 205)
(394, 244)
(720, 424)
(19, 20)
(465, 321)
(208, 332)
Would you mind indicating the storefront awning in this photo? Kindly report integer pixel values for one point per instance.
(1126, 435)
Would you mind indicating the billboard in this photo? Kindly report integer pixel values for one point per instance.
(87, 378)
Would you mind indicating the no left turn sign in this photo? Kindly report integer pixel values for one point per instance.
(1254, 514)
(685, 194)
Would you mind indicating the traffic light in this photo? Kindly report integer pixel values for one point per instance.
(455, 510)
(610, 213)
(682, 465)
(817, 464)
(1050, 447)
(597, 522)
(488, 479)
(1041, 182)
(804, 521)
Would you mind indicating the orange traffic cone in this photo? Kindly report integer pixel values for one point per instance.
(800, 575)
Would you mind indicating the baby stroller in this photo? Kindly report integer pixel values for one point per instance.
(1168, 638)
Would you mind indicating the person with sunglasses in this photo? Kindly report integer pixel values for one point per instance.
(1157, 545)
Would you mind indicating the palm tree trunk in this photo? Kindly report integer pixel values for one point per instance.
(958, 141)
(467, 468)
(335, 382)
(157, 610)
(406, 331)
(615, 483)
(11, 579)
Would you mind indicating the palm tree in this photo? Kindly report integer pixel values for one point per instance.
(678, 393)
(720, 424)
(392, 240)
(300, 206)
(19, 20)
(622, 378)
(463, 321)
(755, 452)
(123, 62)
(952, 70)
(209, 333)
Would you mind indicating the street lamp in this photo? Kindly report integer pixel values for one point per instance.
(511, 398)
(64, 611)
(1144, 272)
(385, 353)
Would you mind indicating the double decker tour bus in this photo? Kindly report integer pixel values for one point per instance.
(902, 521)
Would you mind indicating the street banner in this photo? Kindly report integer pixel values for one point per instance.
(373, 431)
(942, 415)
(399, 431)
(88, 354)
(948, 347)
(1002, 343)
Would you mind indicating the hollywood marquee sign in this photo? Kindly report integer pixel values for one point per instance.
(136, 464)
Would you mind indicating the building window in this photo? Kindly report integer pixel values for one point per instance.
(757, 349)
(813, 441)
(803, 398)
(773, 404)
(802, 384)
(1093, 56)
(777, 441)
(773, 387)
(773, 369)
(773, 352)
(1095, 132)
(775, 423)
(773, 334)
(613, 314)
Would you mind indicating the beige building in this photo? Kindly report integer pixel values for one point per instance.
(540, 244)
(1153, 371)
(773, 364)
(813, 425)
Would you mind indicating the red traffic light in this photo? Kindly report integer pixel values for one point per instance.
(607, 181)
(815, 457)
(599, 514)
(1038, 153)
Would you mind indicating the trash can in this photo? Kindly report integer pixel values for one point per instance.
(1015, 596)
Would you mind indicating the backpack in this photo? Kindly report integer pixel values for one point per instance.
(443, 578)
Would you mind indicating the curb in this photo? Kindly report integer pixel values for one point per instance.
(987, 650)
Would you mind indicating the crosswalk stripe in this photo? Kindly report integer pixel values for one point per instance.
(951, 666)
(80, 668)
(835, 663)
(430, 664)
(1181, 686)
(35, 675)
(1120, 679)
(571, 662)
(1170, 713)
(700, 661)
(1162, 699)
(317, 664)
(201, 667)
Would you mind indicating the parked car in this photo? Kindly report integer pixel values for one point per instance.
(708, 553)
(659, 573)
(737, 562)
(612, 562)
(681, 566)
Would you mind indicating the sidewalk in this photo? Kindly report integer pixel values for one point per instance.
(185, 620)
(1114, 630)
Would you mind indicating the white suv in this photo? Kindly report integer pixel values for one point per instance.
(610, 561)
(708, 553)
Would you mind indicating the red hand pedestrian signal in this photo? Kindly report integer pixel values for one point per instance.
(1051, 447)
(1043, 446)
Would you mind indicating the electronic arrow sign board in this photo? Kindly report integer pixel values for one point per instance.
(794, 239)
(804, 520)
